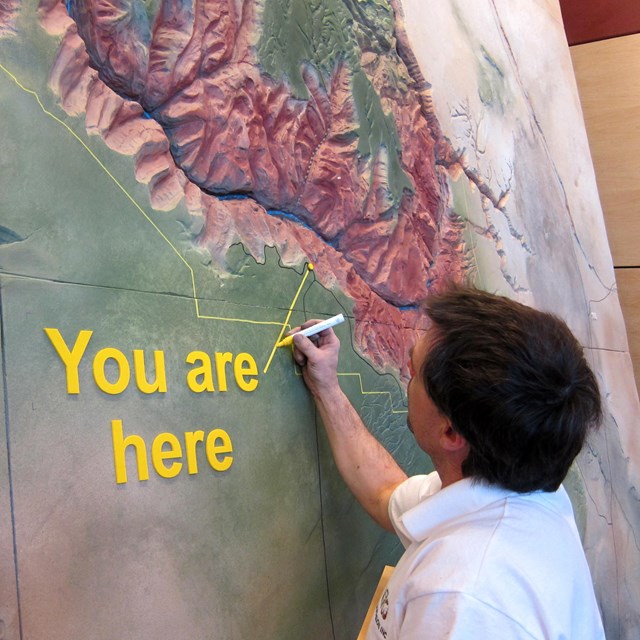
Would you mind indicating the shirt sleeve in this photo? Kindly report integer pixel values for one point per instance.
(408, 495)
(457, 616)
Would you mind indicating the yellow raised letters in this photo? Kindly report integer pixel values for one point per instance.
(200, 377)
(191, 439)
(159, 455)
(70, 359)
(124, 373)
(120, 443)
(215, 450)
(222, 360)
(240, 371)
(217, 445)
(160, 384)
(203, 370)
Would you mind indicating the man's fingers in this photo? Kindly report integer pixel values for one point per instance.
(303, 344)
(304, 325)
(299, 353)
(300, 358)
(309, 323)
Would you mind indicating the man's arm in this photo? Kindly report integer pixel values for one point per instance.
(366, 466)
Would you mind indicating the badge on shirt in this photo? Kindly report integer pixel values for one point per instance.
(382, 611)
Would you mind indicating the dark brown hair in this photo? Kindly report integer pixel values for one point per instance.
(515, 384)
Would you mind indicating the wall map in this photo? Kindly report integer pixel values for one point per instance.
(181, 183)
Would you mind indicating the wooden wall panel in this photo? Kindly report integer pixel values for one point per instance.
(589, 20)
(608, 77)
(629, 292)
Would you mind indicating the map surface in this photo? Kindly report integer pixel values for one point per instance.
(169, 174)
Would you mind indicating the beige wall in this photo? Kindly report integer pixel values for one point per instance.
(608, 77)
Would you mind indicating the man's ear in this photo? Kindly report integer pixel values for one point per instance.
(451, 440)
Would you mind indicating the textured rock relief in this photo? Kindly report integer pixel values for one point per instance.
(8, 16)
(342, 164)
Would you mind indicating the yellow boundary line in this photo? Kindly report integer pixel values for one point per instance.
(200, 316)
(367, 393)
(373, 393)
(285, 324)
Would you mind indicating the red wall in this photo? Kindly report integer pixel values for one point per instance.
(589, 20)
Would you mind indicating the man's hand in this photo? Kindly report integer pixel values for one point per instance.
(318, 358)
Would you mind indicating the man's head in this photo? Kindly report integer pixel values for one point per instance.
(514, 383)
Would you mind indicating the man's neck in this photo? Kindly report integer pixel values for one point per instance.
(448, 472)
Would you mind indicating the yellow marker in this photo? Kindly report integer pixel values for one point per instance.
(311, 331)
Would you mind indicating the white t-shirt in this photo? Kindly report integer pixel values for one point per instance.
(483, 562)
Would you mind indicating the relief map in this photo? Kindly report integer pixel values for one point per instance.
(181, 183)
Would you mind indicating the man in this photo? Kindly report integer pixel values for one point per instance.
(501, 398)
